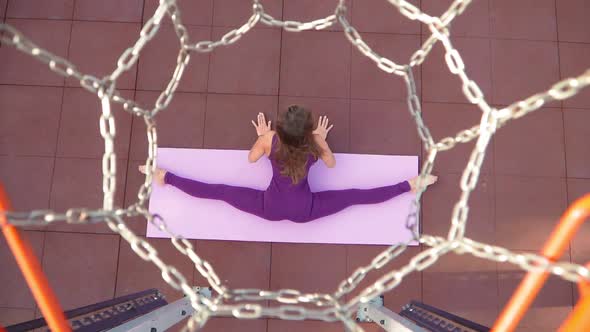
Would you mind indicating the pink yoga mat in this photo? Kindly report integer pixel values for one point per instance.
(196, 218)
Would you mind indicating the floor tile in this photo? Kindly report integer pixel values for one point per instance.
(275, 325)
(218, 324)
(134, 180)
(446, 120)
(79, 131)
(321, 55)
(136, 275)
(260, 49)
(297, 266)
(337, 111)
(572, 20)
(81, 268)
(196, 12)
(51, 9)
(473, 22)
(10, 316)
(382, 127)
(370, 82)
(471, 282)
(29, 120)
(158, 61)
(238, 264)
(234, 13)
(13, 287)
(3, 5)
(440, 199)
(235, 112)
(17, 67)
(534, 61)
(96, 47)
(111, 10)
(517, 152)
(527, 210)
(574, 61)
(410, 288)
(381, 16)
(77, 183)
(310, 10)
(576, 133)
(27, 181)
(441, 85)
(180, 125)
(551, 305)
(529, 19)
(580, 250)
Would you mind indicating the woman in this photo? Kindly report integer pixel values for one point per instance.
(292, 149)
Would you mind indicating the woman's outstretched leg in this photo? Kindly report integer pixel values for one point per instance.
(245, 199)
(329, 202)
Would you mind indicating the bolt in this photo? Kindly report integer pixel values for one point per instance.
(358, 319)
(365, 309)
(183, 313)
(153, 329)
(382, 322)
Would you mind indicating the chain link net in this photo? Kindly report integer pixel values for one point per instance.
(293, 304)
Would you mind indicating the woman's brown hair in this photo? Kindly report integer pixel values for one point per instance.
(296, 142)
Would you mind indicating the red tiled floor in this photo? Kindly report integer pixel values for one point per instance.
(196, 12)
(381, 16)
(235, 112)
(10, 316)
(382, 127)
(307, 267)
(440, 199)
(179, 126)
(311, 10)
(441, 85)
(28, 126)
(576, 133)
(580, 251)
(528, 19)
(315, 63)
(234, 13)
(78, 183)
(17, 67)
(446, 120)
(522, 68)
(471, 282)
(79, 131)
(237, 264)
(527, 210)
(50, 9)
(134, 180)
(409, 289)
(81, 268)
(370, 82)
(517, 152)
(275, 325)
(260, 49)
(3, 4)
(473, 22)
(158, 61)
(96, 47)
(14, 289)
(574, 60)
(337, 111)
(27, 181)
(572, 20)
(112, 10)
(234, 325)
(551, 305)
(136, 275)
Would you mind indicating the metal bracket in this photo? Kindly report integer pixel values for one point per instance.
(374, 311)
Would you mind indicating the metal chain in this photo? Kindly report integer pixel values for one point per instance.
(293, 301)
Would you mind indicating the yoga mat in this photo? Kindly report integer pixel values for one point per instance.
(197, 218)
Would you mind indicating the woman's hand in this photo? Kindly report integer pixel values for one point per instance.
(322, 130)
(262, 127)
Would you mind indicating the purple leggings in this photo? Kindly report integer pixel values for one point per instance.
(307, 207)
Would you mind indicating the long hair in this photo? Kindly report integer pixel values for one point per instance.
(296, 142)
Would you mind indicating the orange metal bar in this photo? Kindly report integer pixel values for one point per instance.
(579, 318)
(529, 287)
(31, 269)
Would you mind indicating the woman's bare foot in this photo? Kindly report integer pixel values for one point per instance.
(159, 174)
(428, 180)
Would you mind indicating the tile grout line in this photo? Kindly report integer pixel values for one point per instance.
(349, 148)
(206, 92)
